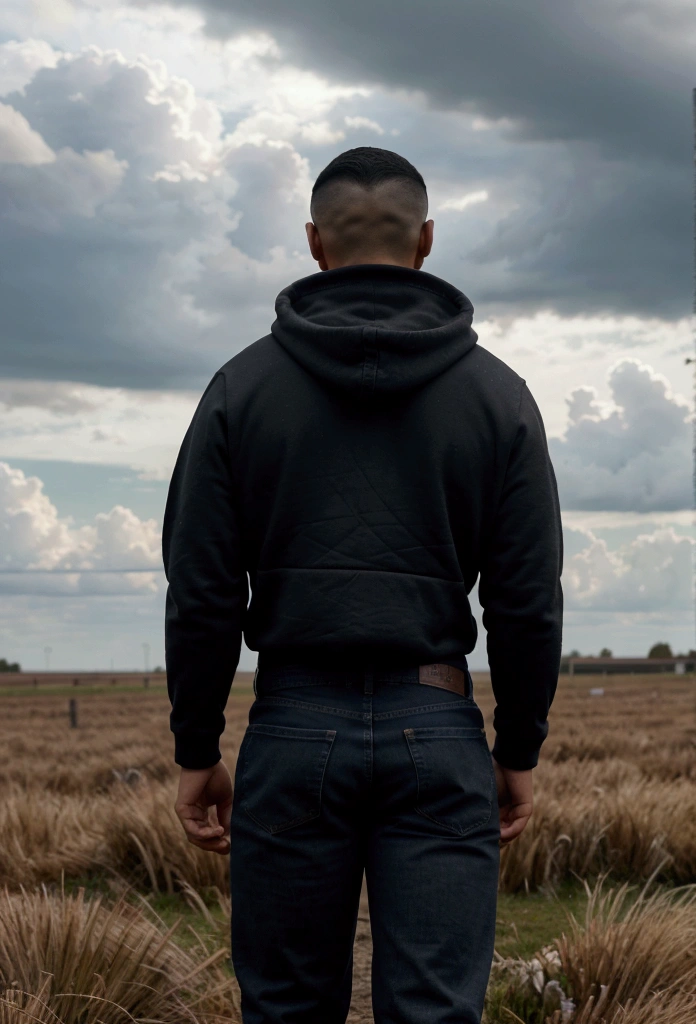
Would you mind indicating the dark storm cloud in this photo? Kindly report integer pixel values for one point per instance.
(606, 86)
(617, 75)
(125, 261)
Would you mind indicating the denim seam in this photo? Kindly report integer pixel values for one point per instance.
(363, 716)
(425, 708)
(290, 731)
(450, 732)
(322, 708)
(299, 681)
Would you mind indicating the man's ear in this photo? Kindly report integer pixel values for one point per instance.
(425, 243)
(315, 246)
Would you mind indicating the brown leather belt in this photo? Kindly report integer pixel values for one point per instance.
(447, 677)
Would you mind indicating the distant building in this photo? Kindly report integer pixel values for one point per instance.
(623, 666)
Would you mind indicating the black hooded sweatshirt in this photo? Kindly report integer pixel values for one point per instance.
(361, 467)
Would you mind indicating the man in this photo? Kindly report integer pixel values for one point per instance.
(364, 464)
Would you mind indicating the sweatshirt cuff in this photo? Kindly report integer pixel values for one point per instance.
(513, 757)
(196, 752)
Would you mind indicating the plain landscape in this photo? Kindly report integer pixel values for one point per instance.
(110, 915)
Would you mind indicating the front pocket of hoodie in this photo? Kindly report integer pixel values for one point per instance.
(283, 774)
(454, 771)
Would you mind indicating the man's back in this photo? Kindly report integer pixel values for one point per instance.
(380, 460)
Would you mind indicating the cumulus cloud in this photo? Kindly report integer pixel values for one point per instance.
(38, 199)
(634, 454)
(459, 203)
(141, 429)
(364, 122)
(651, 572)
(20, 59)
(19, 143)
(107, 240)
(94, 559)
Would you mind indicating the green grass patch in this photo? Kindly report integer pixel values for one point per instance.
(172, 907)
(194, 925)
(527, 922)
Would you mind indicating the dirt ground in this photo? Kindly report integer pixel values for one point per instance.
(361, 1006)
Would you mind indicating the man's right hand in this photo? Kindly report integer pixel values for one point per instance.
(515, 800)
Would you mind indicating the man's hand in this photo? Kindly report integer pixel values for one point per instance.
(204, 807)
(515, 801)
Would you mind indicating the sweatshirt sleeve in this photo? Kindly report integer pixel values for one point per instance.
(208, 587)
(521, 596)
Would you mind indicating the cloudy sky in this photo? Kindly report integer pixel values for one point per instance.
(156, 163)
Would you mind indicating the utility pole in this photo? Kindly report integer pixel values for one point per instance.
(693, 360)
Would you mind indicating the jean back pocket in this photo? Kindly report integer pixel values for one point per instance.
(282, 774)
(454, 771)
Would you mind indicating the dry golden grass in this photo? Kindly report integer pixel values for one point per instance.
(67, 960)
(627, 954)
(614, 793)
(592, 817)
(143, 840)
(614, 788)
(631, 960)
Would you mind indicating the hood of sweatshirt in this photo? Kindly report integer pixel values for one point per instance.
(373, 327)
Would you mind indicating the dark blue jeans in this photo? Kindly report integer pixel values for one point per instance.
(345, 773)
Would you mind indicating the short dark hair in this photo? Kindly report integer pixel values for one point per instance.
(370, 167)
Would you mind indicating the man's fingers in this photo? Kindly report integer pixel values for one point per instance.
(200, 829)
(221, 845)
(513, 820)
(206, 836)
(197, 823)
(510, 832)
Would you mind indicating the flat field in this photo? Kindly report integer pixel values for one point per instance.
(90, 851)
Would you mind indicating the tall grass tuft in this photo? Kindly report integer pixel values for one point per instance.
(68, 960)
(630, 960)
(596, 817)
(633, 952)
(143, 840)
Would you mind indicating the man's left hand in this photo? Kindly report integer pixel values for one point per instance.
(204, 807)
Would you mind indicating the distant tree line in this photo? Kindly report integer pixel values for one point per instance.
(9, 666)
(658, 650)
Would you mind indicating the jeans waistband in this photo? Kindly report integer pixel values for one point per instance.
(296, 674)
